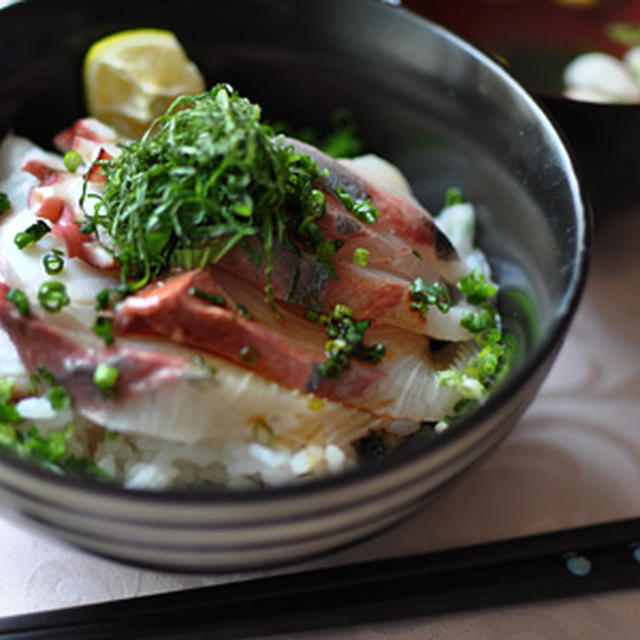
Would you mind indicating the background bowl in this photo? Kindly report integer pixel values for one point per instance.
(447, 115)
(536, 41)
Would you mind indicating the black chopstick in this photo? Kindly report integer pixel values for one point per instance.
(565, 563)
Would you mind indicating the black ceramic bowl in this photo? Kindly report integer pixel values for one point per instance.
(447, 115)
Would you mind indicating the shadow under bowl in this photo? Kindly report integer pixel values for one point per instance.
(446, 115)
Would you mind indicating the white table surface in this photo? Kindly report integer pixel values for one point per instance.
(573, 459)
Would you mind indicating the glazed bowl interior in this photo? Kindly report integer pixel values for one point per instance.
(440, 110)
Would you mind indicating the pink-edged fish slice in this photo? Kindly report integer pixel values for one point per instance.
(302, 281)
(165, 390)
(385, 252)
(398, 216)
(187, 309)
(73, 359)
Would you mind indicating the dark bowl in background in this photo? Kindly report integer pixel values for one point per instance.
(535, 41)
(434, 105)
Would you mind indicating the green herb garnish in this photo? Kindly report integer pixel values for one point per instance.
(475, 287)
(361, 209)
(453, 196)
(59, 398)
(361, 257)
(6, 389)
(103, 327)
(343, 141)
(46, 375)
(53, 262)
(52, 296)
(5, 204)
(479, 321)
(105, 377)
(19, 300)
(211, 298)
(31, 234)
(346, 337)
(425, 295)
(72, 161)
(207, 174)
(106, 298)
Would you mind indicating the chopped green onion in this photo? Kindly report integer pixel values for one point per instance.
(72, 160)
(53, 296)
(31, 234)
(363, 210)
(449, 378)
(453, 196)
(424, 295)
(346, 337)
(46, 375)
(87, 226)
(105, 377)
(211, 298)
(476, 322)
(361, 257)
(106, 298)
(59, 398)
(103, 327)
(19, 301)
(6, 389)
(5, 204)
(53, 262)
(476, 288)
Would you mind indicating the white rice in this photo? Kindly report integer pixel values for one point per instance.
(143, 462)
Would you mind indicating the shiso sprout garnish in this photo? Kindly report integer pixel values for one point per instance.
(210, 175)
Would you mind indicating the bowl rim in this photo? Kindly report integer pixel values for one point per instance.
(563, 315)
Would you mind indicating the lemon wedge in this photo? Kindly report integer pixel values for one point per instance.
(131, 77)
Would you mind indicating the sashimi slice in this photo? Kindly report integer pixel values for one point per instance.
(175, 309)
(287, 348)
(300, 279)
(23, 268)
(167, 391)
(398, 216)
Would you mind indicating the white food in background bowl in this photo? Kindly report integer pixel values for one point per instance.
(600, 77)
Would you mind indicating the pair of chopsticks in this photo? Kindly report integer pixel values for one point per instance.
(560, 564)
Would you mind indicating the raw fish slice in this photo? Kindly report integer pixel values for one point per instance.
(385, 251)
(23, 268)
(88, 137)
(285, 344)
(165, 391)
(170, 310)
(300, 279)
(398, 216)
(410, 388)
(56, 199)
